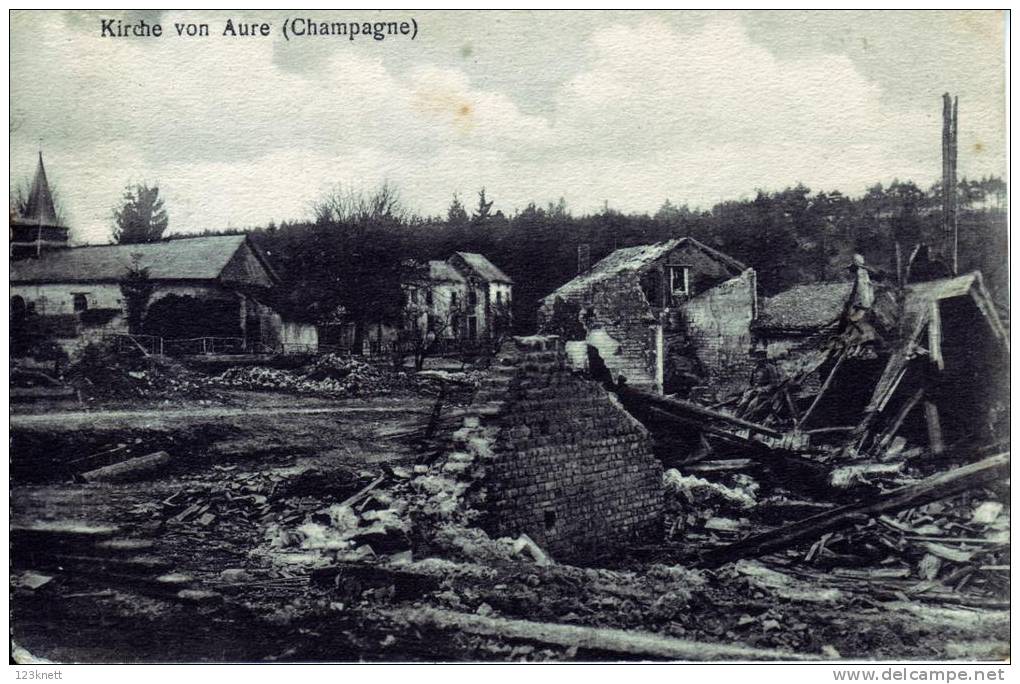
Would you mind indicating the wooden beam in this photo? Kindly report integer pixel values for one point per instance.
(131, 469)
(901, 415)
(687, 409)
(935, 335)
(794, 413)
(630, 643)
(821, 392)
(931, 418)
(934, 488)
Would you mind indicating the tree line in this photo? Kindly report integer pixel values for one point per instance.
(346, 263)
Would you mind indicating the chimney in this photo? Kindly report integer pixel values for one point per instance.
(583, 258)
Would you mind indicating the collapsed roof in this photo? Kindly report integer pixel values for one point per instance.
(635, 259)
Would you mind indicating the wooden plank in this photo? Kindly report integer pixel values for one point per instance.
(821, 392)
(930, 489)
(901, 415)
(794, 413)
(351, 500)
(931, 419)
(686, 408)
(935, 336)
(632, 643)
(131, 469)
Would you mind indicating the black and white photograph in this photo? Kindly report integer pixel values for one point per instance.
(509, 336)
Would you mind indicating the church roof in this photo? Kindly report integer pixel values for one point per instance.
(196, 258)
(39, 208)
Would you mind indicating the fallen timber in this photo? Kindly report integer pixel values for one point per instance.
(934, 488)
(620, 642)
(692, 411)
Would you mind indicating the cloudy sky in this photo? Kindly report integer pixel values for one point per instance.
(632, 108)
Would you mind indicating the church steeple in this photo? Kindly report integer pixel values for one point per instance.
(35, 226)
(39, 205)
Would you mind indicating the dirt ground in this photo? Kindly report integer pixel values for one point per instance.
(262, 459)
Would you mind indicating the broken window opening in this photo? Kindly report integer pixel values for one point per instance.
(680, 281)
(81, 302)
(18, 307)
(550, 519)
(651, 286)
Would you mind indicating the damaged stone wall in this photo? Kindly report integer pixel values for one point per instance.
(718, 324)
(553, 455)
(621, 327)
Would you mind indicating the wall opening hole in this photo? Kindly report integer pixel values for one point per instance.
(550, 519)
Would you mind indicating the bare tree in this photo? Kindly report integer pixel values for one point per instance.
(345, 205)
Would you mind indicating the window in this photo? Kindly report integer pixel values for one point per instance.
(680, 280)
(453, 300)
(428, 297)
(499, 296)
(472, 298)
(81, 302)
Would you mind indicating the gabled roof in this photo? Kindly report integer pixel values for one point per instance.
(196, 258)
(805, 307)
(39, 208)
(440, 270)
(634, 259)
(484, 268)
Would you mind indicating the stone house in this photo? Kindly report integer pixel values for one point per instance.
(671, 317)
(463, 298)
(75, 292)
(466, 297)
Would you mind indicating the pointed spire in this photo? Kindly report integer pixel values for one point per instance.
(39, 207)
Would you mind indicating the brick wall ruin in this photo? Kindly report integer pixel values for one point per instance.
(718, 324)
(553, 455)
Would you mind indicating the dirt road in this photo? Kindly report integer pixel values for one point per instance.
(145, 417)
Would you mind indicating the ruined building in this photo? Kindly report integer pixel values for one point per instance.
(462, 299)
(547, 452)
(464, 296)
(671, 317)
(873, 362)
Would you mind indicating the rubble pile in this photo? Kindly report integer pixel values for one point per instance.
(102, 373)
(960, 543)
(342, 376)
(228, 501)
(329, 375)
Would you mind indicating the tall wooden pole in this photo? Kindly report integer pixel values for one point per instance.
(950, 233)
